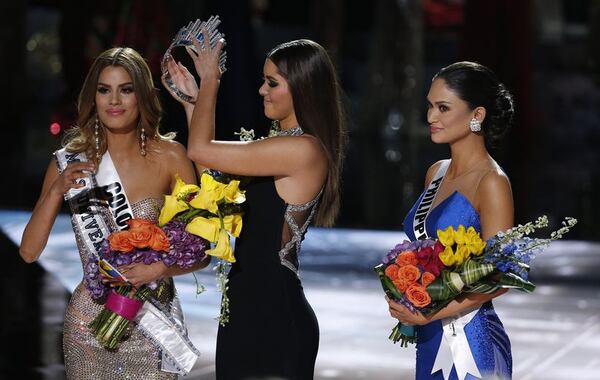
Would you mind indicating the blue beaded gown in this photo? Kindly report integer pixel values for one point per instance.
(485, 333)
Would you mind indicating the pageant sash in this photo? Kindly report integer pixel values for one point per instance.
(454, 349)
(86, 207)
(167, 330)
(424, 207)
(108, 180)
(89, 204)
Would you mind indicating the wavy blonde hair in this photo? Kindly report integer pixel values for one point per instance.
(81, 137)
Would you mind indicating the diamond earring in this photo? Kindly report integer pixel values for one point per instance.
(475, 125)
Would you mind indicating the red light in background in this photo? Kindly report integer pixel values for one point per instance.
(55, 128)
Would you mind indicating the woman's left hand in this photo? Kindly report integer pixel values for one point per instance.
(207, 59)
(140, 274)
(404, 315)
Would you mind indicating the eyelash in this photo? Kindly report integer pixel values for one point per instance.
(125, 90)
(270, 83)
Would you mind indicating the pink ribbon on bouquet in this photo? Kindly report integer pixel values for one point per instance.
(124, 306)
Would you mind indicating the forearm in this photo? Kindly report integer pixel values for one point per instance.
(174, 270)
(37, 231)
(464, 303)
(189, 111)
(202, 123)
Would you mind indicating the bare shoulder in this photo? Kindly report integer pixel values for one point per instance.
(495, 184)
(432, 170)
(305, 148)
(171, 150)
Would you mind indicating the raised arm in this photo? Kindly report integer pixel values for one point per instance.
(44, 214)
(278, 156)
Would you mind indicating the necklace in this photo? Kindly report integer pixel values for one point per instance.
(295, 131)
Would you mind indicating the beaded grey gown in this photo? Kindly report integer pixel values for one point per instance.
(85, 358)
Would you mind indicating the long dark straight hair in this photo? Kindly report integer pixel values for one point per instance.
(316, 95)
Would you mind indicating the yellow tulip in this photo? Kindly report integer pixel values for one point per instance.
(446, 237)
(447, 256)
(460, 236)
(172, 207)
(462, 253)
(205, 228)
(233, 224)
(477, 246)
(223, 248)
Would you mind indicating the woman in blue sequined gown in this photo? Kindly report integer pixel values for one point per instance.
(469, 109)
(272, 332)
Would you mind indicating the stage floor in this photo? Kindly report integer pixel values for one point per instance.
(555, 332)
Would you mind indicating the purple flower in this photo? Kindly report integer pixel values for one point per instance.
(92, 280)
(186, 249)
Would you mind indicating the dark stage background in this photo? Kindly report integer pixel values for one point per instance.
(547, 52)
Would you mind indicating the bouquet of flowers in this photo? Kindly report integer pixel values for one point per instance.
(426, 275)
(143, 242)
(211, 211)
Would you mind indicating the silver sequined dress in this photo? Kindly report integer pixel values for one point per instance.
(136, 357)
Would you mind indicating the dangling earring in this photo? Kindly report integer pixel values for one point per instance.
(143, 142)
(475, 125)
(97, 138)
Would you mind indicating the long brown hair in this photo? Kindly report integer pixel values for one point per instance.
(316, 95)
(81, 138)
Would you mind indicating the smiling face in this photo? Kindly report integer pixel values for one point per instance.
(448, 115)
(277, 98)
(116, 102)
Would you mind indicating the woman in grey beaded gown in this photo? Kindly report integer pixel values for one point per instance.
(118, 119)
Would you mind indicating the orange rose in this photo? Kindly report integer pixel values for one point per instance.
(119, 241)
(402, 284)
(159, 240)
(409, 273)
(141, 235)
(427, 278)
(392, 272)
(418, 296)
(406, 258)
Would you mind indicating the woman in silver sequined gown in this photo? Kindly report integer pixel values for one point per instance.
(272, 331)
(119, 112)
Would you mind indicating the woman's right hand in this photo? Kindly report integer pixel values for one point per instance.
(183, 79)
(68, 179)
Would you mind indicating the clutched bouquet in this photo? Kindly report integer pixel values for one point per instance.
(143, 242)
(211, 211)
(426, 275)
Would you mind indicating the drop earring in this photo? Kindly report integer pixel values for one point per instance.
(143, 142)
(97, 138)
(475, 125)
